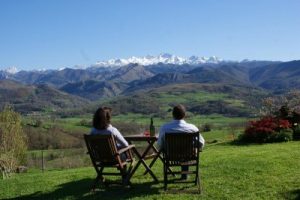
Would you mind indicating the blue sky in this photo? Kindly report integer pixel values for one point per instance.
(62, 33)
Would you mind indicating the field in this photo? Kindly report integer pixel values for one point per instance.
(65, 134)
(158, 104)
(268, 171)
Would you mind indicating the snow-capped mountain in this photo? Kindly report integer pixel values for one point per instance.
(162, 58)
(11, 70)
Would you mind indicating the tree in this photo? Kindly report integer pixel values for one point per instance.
(13, 142)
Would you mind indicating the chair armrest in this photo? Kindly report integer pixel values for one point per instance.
(126, 148)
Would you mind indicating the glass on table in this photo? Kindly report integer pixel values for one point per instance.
(147, 133)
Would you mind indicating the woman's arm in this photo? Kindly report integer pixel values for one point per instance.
(119, 137)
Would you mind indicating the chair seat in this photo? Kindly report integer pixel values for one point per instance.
(180, 163)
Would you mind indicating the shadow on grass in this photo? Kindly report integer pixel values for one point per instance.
(294, 194)
(243, 143)
(81, 190)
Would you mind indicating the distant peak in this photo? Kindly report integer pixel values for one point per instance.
(12, 70)
(164, 58)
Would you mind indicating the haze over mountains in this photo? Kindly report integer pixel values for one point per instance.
(127, 76)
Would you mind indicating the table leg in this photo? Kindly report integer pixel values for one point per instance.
(155, 158)
(141, 160)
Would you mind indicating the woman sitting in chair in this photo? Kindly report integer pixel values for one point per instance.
(101, 125)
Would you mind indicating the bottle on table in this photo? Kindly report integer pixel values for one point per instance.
(152, 128)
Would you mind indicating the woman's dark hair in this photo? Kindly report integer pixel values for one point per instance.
(178, 112)
(101, 118)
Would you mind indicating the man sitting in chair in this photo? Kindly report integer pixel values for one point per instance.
(178, 125)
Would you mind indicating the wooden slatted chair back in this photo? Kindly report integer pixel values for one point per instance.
(104, 153)
(181, 147)
(102, 149)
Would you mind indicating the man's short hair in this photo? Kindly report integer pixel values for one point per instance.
(178, 112)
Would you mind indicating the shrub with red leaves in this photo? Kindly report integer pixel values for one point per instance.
(283, 123)
(267, 129)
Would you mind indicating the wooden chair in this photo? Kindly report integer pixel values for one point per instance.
(181, 149)
(104, 154)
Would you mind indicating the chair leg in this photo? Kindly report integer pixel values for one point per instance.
(98, 178)
(123, 171)
(165, 177)
(199, 183)
(132, 163)
(125, 176)
(197, 179)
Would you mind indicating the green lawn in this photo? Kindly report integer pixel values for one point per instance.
(268, 171)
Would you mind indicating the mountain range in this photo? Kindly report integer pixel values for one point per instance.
(127, 76)
(164, 58)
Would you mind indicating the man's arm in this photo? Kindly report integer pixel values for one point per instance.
(201, 140)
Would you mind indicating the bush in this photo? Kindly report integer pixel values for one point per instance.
(296, 133)
(38, 123)
(206, 128)
(267, 129)
(85, 123)
(283, 135)
(13, 142)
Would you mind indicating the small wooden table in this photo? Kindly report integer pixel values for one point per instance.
(142, 157)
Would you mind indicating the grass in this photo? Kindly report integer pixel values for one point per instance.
(133, 117)
(186, 97)
(269, 171)
(47, 152)
(216, 120)
(224, 135)
(72, 124)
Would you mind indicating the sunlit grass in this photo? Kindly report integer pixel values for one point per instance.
(268, 171)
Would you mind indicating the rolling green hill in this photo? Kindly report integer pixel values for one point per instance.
(203, 99)
(94, 90)
(41, 98)
(277, 77)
